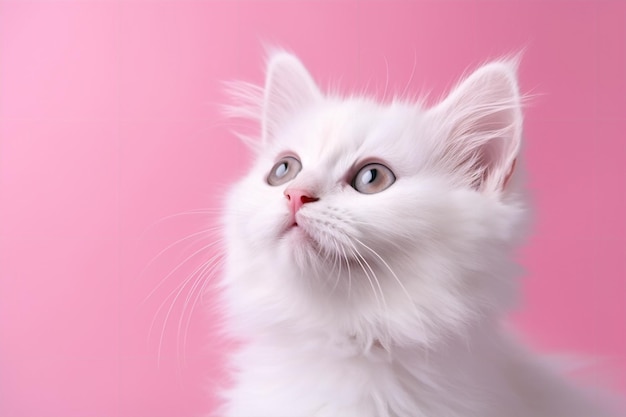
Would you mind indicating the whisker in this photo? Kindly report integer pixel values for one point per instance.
(204, 275)
(180, 287)
(180, 265)
(205, 281)
(199, 212)
(335, 259)
(184, 213)
(198, 273)
(380, 258)
(418, 316)
(357, 257)
(382, 295)
(371, 271)
(345, 256)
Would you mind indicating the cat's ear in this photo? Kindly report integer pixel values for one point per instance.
(288, 88)
(483, 124)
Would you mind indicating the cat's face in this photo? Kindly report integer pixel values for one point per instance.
(379, 209)
(330, 182)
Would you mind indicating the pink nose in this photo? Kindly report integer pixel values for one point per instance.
(297, 198)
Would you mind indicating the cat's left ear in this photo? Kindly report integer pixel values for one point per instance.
(483, 122)
(289, 88)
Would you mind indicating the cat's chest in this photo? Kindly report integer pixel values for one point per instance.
(330, 380)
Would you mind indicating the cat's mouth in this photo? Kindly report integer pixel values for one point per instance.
(299, 237)
(299, 232)
(290, 224)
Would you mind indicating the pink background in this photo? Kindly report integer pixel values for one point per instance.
(109, 123)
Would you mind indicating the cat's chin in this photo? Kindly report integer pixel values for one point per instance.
(299, 239)
(305, 250)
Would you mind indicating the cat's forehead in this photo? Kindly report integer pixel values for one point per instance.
(347, 130)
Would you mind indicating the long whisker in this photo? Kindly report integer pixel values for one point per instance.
(198, 272)
(180, 289)
(204, 275)
(418, 316)
(205, 281)
(194, 212)
(370, 269)
(180, 265)
(176, 293)
(382, 295)
(358, 257)
(343, 251)
(335, 259)
(380, 258)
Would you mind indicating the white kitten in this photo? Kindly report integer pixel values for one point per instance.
(369, 256)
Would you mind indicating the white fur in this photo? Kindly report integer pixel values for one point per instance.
(382, 304)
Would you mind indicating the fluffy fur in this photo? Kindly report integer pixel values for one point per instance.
(384, 304)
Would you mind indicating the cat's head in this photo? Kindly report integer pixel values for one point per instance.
(390, 220)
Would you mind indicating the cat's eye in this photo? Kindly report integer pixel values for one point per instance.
(373, 178)
(284, 170)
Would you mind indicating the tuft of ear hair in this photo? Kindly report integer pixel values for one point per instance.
(482, 119)
(246, 106)
(288, 89)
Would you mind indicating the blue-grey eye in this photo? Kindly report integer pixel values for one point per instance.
(373, 178)
(286, 169)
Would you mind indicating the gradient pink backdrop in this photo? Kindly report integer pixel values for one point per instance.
(109, 123)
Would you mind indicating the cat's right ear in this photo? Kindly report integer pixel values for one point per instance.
(288, 89)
